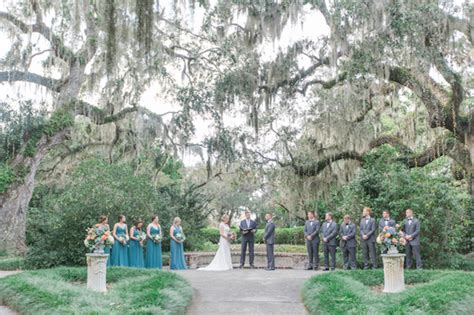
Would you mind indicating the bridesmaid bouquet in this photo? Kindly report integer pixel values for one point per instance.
(141, 236)
(123, 239)
(156, 238)
(180, 237)
(98, 237)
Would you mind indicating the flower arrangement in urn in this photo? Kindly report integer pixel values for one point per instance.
(391, 238)
(98, 237)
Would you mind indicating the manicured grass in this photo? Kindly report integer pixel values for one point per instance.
(63, 291)
(11, 263)
(429, 292)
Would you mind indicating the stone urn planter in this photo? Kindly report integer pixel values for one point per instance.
(394, 276)
(96, 271)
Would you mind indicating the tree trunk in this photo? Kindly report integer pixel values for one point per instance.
(14, 202)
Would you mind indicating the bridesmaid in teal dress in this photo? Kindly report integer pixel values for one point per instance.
(177, 249)
(135, 253)
(120, 248)
(153, 249)
(104, 222)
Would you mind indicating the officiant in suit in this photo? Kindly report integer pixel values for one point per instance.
(411, 229)
(248, 228)
(269, 239)
(311, 234)
(367, 235)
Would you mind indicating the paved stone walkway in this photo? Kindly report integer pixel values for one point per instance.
(3, 309)
(257, 292)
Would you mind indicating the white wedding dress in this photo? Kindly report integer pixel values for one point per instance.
(222, 260)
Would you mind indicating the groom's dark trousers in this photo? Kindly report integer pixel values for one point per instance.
(247, 239)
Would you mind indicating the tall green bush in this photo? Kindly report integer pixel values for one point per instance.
(58, 216)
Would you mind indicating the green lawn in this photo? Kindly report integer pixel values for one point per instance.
(63, 291)
(428, 292)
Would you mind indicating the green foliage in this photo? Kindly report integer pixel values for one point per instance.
(62, 291)
(7, 177)
(442, 207)
(59, 216)
(58, 121)
(11, 263)
(434, 292)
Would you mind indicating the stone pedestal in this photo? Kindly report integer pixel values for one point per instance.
(394, 276)
(96, 272)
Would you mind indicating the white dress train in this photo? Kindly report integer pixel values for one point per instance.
(223, 259)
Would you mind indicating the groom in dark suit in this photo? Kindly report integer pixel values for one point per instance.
(248, 227)
(269, 239)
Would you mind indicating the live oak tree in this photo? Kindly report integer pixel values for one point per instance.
(96, 59)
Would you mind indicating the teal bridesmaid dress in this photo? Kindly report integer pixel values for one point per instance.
(153, 251)
(120, 251)
(177, 252)
(135, 257)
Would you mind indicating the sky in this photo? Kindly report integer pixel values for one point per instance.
(310, 25)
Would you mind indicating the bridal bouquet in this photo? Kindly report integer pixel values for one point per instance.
(156, 238)
(180, 237)
(98, 238)
(391, 236)
(231, 236)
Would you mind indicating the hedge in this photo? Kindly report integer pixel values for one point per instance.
(293, 235)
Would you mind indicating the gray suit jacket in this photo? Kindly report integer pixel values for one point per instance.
(368, 229)
(349, 231)
(329, 233)
(412, 229)
(390, 222)
(269, 235)
(312, 229)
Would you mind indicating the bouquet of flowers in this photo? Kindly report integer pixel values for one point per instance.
(98, 237)
(180, 237)
(141, 236)
(156, 238)
(391, 237)
(231, 236)
(123, 239)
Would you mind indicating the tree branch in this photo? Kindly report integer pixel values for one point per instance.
(12, 76)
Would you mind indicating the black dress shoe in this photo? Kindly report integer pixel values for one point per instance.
(252, 267)
(309, 268)
(270, 269)
(326, 269)
(316, 268)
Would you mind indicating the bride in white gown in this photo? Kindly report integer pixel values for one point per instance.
(222, 260)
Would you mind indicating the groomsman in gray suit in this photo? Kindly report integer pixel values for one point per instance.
(269, 239)
(385, 221)
(411, 228)
(367, 234)
(347, 232)
(329, 233)
(311, 234)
